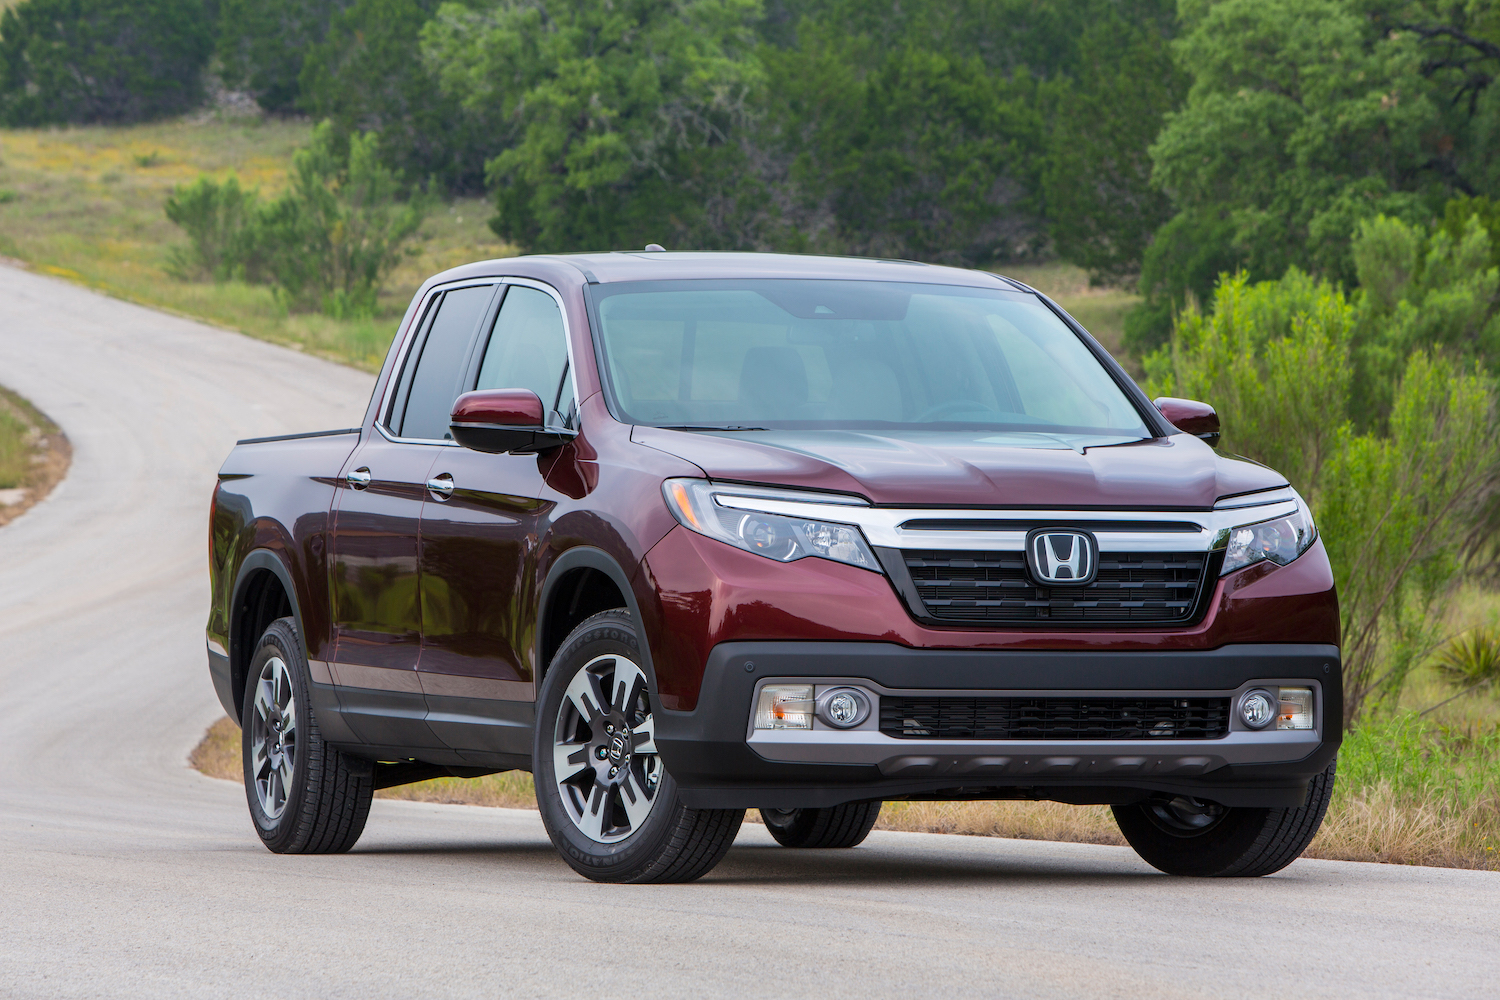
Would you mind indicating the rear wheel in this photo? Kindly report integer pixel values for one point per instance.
(607, 801)
(839, 826)
(305, 797)
(1187, 836)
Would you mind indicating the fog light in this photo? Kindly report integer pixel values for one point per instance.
(784, 706)
(1296, 709)
(1257, 709)
(843, 708)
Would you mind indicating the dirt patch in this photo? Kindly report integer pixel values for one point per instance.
(34, 456)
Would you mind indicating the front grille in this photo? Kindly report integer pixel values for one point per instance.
(1054, 718)
(994, 587)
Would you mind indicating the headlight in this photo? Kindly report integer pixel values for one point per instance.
(774, 536)
(1279, 541)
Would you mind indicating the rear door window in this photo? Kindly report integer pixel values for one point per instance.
(437, 378)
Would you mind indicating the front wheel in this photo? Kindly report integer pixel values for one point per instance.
(607, 801)
(1186, 836)
(840, 826)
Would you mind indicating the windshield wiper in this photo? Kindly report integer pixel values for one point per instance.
(709, 427)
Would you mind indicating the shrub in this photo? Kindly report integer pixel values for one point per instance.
(263, 43)
(219, 221)
(101, 60)
(330, 240)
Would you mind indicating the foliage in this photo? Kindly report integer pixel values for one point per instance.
(923, 156)
(367, 76)
(262, 45)
(1101, 207)
(609, 103)
(1421, 291)
(101, 60)
(330, 240)
(1305, 118)
(1394, 508)
(219, 221)
(1471, 659)
(326, 243)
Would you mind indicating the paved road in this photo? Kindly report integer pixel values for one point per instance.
(123, 873)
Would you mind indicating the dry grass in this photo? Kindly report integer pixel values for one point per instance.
(85, 203)
(34, 456)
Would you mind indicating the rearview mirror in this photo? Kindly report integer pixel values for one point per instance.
(496, 421)
(1191, 417)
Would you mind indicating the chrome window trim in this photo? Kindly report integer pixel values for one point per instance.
(383, 413)
(883, 526)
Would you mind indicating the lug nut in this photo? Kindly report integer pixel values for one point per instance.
(600, 752)
(614, 771)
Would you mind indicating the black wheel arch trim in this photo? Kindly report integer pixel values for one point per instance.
(587, 557)
(256, 561)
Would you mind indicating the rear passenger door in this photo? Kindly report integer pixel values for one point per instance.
(376, 610)
(479, 544)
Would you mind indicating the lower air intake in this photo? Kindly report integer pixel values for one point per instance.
(1054, 718)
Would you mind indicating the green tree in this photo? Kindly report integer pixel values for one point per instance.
(368, 76)
(617, 110)
(263, 43)
(1100, 204)
(101, 60)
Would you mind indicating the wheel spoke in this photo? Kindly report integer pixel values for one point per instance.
(592, 821)
(637, 804)
(644, 736)
(265, 701)
(628, 684)
(568, 759)
(583, 694)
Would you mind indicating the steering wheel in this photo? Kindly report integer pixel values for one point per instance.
(950, 406)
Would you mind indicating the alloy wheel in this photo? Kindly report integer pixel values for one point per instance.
(273, 737)
(604, 754)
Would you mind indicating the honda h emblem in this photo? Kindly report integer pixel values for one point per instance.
(1062, 558)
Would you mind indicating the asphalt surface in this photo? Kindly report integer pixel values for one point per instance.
(124, 873)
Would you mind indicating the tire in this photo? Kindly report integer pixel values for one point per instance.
(840, 826)
(305, 797)
(615, 815)
(1187, 837)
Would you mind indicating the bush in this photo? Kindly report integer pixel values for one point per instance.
(101, 60)
(1395, 508)
(327, 243)
(332, 238)
(220, 222)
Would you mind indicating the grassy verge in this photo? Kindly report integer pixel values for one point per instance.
(34, 455)
(85, 203)
(1408, 792)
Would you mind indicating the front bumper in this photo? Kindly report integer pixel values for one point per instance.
(719, 762)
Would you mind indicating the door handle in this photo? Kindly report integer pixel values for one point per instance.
(359, 478)
(441, 487)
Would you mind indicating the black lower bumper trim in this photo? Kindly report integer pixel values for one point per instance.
(706, 752)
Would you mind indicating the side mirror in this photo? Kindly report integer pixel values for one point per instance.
(496, 421)
(1191, 417)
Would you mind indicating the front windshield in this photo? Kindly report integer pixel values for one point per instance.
(815, 354)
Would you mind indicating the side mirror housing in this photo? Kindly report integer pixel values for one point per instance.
(1191, 417)
(497, 421)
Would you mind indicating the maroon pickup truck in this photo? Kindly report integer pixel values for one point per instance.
(684, 534)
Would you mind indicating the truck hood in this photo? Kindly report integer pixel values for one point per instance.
(965, 468)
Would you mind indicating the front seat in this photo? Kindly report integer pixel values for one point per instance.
(773, 384)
